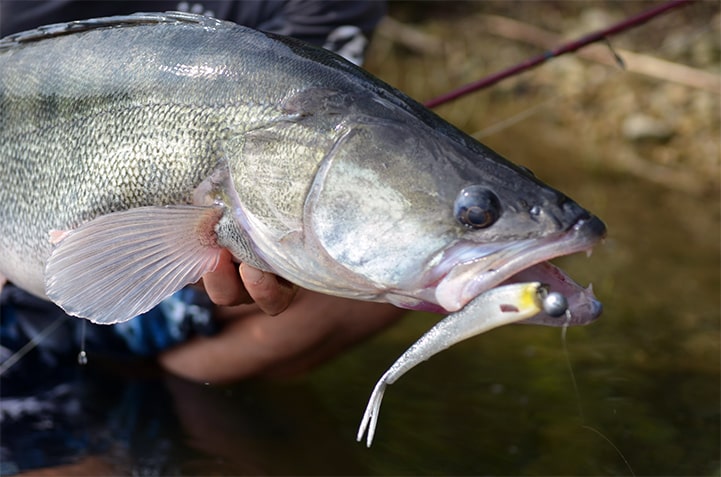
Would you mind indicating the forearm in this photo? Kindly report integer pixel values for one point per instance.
(316, 328)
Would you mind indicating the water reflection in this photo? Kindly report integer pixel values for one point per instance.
(646, 382)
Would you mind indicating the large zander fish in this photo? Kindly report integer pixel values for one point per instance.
(134, 148)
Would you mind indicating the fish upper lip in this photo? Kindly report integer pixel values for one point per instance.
(496, 263)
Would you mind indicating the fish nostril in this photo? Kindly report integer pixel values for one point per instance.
(596, 226)
(562, 200)
(572, 210)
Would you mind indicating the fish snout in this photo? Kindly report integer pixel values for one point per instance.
(582, 219)
(591, 227)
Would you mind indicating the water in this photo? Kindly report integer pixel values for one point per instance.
(643, 398)
(647, 379)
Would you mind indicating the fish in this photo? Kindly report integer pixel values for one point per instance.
(135, 148)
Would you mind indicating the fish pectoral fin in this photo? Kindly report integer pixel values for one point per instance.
(120, 265)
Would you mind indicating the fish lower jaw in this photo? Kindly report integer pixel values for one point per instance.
(583, 307)
(457, 289)
(523, 261)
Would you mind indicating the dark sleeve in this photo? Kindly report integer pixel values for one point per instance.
(21, 15)
(314, 20)
(343, 26)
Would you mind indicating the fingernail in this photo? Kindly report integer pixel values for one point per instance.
(251, 274)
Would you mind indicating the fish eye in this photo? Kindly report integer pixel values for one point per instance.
(476, 207)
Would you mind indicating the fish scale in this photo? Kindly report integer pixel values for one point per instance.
(134, 148)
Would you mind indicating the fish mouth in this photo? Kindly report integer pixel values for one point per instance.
(473, 268)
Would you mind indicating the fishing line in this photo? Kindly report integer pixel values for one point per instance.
(619, 59)
(516, 118)
(82, 355)
(567, 355)
(499, 126)
(578, 395)
(30, 345)
(600, 434)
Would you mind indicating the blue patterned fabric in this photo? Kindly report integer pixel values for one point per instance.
(44, 405)
(24, 318)
(343, 26)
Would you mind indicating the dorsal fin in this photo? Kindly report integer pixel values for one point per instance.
(119, 21)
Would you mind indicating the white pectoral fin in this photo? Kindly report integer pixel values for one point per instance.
(120, 265)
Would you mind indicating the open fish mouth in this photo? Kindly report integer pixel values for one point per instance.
(473, 268)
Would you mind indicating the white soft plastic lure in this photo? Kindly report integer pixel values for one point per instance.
(496, 307)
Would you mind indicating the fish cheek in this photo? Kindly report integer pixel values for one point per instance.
(372, 209)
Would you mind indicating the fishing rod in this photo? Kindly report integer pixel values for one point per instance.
(569, 47)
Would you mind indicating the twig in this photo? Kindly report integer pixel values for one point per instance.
(409, 37)
(634, 62)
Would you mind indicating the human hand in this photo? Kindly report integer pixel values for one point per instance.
(231, 284)
(314, 328)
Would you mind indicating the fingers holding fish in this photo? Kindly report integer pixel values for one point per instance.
(271, 293)
(223, 285)
(231, 284)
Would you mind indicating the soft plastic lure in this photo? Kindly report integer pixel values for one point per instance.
(496, 307)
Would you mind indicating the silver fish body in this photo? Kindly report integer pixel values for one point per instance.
(132, 149)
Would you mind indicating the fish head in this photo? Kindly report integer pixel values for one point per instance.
(430, 219)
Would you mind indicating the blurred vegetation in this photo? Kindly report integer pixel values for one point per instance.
(640, 151)
(648, 126)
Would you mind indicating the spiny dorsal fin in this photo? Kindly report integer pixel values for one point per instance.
(119, 21)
